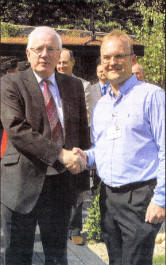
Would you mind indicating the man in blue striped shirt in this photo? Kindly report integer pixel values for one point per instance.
(128, 130)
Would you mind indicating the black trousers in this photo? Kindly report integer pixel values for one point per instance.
(75, 224)
(129, 240)
(52, 214)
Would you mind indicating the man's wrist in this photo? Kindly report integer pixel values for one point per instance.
(87, 160)
(61, 156)
(160, 203)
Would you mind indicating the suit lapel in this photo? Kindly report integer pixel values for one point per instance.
(64, 98)
(33, 87)
(98, 89)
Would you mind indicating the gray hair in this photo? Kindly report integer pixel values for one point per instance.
(40, 29)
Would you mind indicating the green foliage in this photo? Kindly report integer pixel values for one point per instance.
(152, 35)
(92, 224)
(159, 260)
(75, 13)
(9, 30)
(144, 18)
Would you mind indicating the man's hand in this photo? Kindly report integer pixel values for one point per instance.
(155, 214)
(74, 160)
(81, 153)
(76, 168)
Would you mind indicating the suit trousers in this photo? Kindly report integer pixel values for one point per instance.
(79, 194)
(129, 240)
(75, 224)
(51, 213)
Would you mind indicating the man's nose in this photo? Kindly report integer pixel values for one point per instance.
(44, 52)
(113, 60)
(61, 64)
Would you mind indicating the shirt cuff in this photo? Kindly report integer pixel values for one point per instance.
(90, 158)
(159, 199)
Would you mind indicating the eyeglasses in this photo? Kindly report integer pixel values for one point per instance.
(118, 57)
(39, 50)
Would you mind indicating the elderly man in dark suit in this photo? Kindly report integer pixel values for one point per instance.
(44, 115)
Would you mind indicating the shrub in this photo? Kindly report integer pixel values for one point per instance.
(159, 260)
(9, 30)
(92, 224)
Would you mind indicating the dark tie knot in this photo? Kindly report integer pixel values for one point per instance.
(46, 81)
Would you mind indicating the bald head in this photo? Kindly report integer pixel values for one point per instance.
(138, 70)
(117, 58)
(120, 35)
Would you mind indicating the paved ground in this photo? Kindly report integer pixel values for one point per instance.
(77, 255)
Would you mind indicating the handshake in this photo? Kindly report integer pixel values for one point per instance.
(75, 160)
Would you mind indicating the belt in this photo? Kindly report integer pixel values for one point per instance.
(133, 186)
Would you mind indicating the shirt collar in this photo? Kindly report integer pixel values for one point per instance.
(106, 84)
(51, 78)
(127, 85)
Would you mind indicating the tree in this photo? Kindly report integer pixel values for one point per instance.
(74, 14)
(152, 35)
(144, 18)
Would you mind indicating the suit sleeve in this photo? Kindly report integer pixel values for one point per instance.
(83, 179)
(22, 137)
(88, 99)
(83, 127)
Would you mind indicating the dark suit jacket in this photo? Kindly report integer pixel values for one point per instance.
(29, 148)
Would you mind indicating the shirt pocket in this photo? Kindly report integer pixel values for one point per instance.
(134, 121)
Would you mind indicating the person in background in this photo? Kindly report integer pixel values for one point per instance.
(2, 142)
(22, 65)
(3, 69)
(11, 66)
(128, 132)
(65, 66)
(98, 90)
(44, 115)
(6, 68)
(138, 70)
(1, 137)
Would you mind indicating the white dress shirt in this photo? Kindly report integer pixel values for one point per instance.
(55, 93)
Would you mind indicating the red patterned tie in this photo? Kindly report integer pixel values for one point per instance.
(56, 128)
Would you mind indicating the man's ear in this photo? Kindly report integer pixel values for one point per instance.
(27, 53)
(73, 63)
(134, 59)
